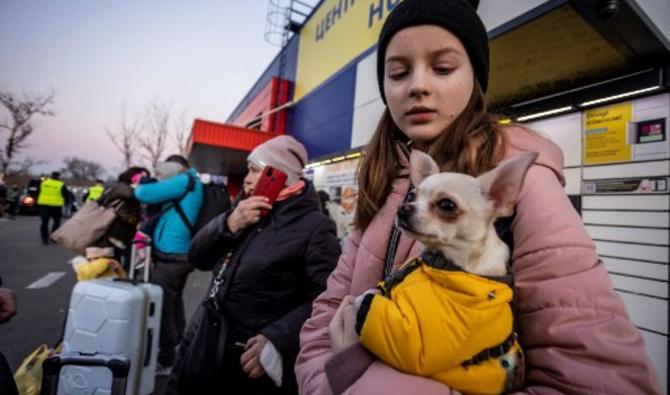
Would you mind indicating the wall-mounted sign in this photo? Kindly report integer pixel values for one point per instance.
(627, 186)
(651, 131)
(605, 134)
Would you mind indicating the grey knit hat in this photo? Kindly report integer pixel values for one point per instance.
(283, 153)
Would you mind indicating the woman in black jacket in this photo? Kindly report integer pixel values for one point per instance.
(276, 265)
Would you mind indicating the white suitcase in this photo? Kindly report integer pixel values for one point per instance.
(117, 318)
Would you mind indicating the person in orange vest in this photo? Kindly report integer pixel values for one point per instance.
(50, 200)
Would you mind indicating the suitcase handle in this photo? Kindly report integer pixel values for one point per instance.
(150, 341)
(147, 261)
(119, 366)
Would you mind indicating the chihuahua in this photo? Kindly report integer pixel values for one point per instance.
(454, 213)
(447, 314)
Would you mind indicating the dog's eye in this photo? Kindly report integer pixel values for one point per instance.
(446, 205)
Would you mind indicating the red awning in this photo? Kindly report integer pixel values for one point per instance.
(218, 148)
(228, 136)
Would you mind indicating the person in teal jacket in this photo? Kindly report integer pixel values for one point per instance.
(170, 240)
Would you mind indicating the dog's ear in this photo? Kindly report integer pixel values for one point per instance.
(421, 166)
(503, 183)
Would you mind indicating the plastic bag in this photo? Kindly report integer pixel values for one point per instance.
(28, 376)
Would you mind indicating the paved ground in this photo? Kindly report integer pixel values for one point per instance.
(23, 261)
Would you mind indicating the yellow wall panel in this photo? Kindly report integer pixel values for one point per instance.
(338, 32)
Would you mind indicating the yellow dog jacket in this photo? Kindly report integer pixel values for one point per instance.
(432, 319)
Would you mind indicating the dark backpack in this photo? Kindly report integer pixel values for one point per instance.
(215, 201)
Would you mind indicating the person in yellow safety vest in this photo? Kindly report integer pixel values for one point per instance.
(95, 191)
(50, 200)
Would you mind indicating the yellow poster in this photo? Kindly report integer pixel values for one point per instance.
(338, 31)
(605, 134)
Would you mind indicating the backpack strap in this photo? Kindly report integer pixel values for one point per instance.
(394, 239)
(184, 218)
(396, 277)
(177, 206)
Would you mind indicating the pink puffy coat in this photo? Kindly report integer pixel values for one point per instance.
(574, 328)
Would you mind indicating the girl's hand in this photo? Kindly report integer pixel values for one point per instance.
(342, 327)
(247, 212)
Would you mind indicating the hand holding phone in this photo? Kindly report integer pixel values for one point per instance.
(269, 184)
(247, 212)
(250, 210)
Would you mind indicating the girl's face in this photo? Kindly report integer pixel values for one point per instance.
(428, 81)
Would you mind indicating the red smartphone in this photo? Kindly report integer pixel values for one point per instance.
(269, 184)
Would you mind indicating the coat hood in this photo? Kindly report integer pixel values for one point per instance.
(518, 140)
(521, 139)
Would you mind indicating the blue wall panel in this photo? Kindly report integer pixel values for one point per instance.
(291, 53)
(322, 120)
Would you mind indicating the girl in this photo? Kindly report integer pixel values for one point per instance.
(432, 65)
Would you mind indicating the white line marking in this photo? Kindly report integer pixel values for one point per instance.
(46, 280)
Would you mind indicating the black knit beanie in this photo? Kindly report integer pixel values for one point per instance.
(457, 16)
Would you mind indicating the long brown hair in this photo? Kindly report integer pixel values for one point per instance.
(469, 145)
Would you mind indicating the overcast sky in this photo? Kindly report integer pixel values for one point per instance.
(99, 56)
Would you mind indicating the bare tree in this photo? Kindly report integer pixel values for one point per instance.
(20, 113)
(181, 133)
(82, 169)
(125, 137)
(25, 166)
(155, 137)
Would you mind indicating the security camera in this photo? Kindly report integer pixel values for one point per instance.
(607, 9)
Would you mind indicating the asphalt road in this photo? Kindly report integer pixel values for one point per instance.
(24, 260)
(41, 311)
